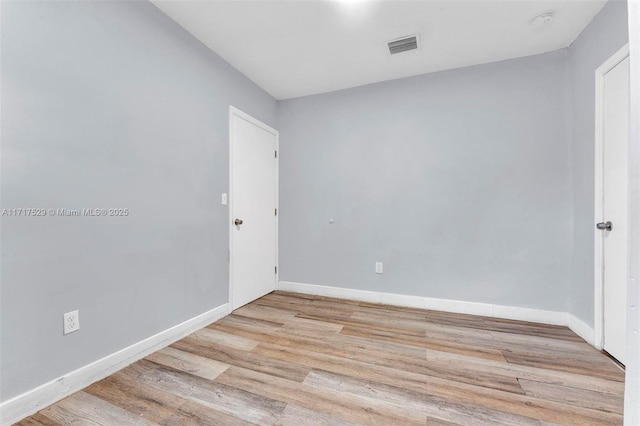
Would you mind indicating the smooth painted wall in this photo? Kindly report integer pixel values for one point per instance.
(604, 36)
(109, 105)
(459, 181)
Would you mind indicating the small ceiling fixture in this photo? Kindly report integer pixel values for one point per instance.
(403, 44)
(542, 20)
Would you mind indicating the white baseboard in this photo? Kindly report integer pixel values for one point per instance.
(455, 306)
(582, 329)
(30, 402)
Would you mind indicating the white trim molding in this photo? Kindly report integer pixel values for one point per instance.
(598, 245)
(582, 329)
(632, 379)
(28, 403)
(455, 306)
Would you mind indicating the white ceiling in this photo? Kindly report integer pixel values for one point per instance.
(304, 47)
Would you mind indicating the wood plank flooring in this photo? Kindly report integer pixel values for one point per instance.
(293, 359)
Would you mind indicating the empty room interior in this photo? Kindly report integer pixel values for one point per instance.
(349, 212)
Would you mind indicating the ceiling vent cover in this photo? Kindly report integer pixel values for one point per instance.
(403, 44)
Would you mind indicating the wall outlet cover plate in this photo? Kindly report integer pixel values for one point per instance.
(71, 322)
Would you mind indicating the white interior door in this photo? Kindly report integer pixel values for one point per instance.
(615, 154)
(253, 208)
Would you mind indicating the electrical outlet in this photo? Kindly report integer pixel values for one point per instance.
(71, 322)
(378, 267)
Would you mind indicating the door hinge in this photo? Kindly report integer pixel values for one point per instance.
(276, 152)
(276, 212)
(276, 269)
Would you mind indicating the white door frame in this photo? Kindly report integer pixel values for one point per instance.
(602, 70)
(233, 111)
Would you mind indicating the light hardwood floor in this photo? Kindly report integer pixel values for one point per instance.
(293, 359)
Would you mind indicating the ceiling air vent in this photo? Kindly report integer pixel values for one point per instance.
(403, 44)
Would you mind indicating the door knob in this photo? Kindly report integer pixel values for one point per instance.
(238, 222)
(605, 225)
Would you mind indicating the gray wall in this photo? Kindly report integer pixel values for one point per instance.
(109, 104)
(602, 38)
(459, 181)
